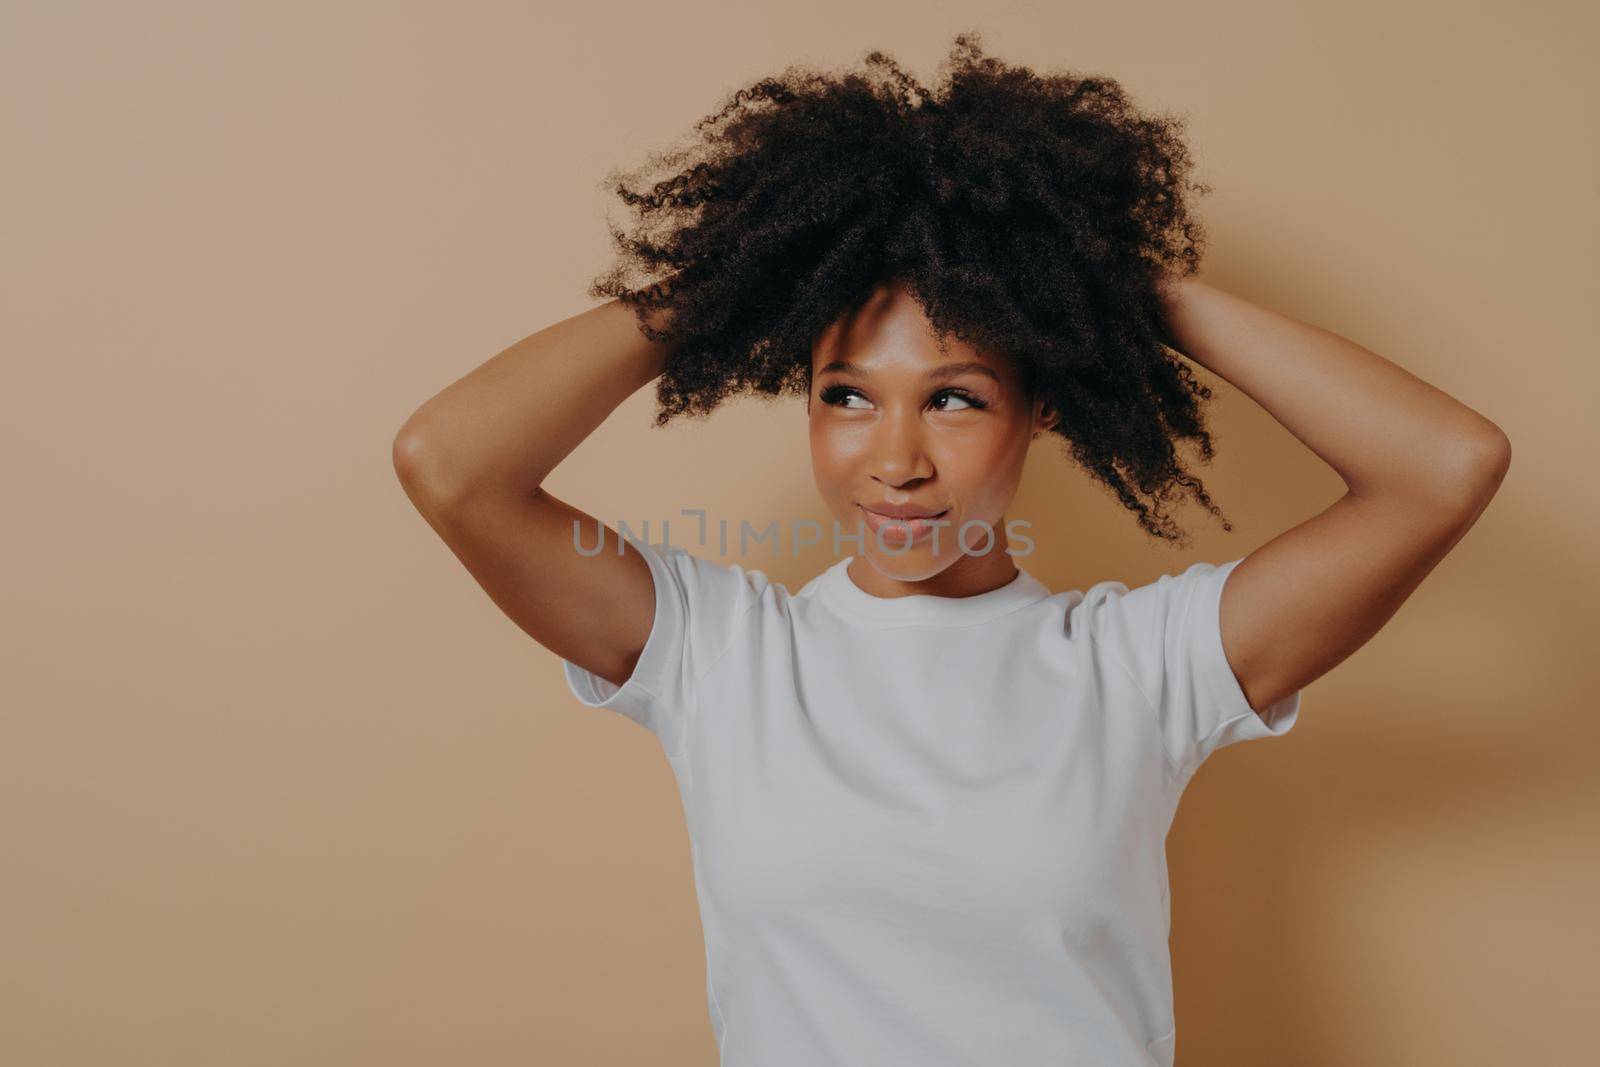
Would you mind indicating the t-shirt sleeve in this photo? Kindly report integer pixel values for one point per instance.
(698, 606)
(1167, 636)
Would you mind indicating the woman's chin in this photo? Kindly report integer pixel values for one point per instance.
(915, 564)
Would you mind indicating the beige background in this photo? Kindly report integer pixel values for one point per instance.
(281, 785)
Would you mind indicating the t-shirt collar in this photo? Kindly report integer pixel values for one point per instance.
(836, 588)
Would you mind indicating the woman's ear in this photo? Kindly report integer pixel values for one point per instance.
(1047, 415)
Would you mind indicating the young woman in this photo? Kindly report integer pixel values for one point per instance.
(927, 796)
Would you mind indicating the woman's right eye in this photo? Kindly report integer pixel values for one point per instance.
(834, 394)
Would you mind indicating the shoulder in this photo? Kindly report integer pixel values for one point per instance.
(1152, 602)
(710, 596)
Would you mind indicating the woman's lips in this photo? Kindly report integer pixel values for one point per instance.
(901, 531)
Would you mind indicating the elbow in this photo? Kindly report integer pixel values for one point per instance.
(409, 454)
(1457, 476)
(1491, 455)
(417, 463)
(1480, 464)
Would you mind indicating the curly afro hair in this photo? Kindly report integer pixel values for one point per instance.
(1036, 216)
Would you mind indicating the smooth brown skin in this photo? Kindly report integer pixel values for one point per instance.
(1420, 467)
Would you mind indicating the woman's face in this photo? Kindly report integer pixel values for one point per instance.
(896, 422)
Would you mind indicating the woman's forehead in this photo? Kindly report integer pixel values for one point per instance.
(891, 332)
(912, 355)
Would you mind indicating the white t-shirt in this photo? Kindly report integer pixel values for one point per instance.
(930, 831)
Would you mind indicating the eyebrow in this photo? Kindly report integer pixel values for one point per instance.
(940, 373)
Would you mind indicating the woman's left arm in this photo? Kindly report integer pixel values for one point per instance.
(1419, 467)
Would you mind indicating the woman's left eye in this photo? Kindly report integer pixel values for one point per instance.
(966, 398)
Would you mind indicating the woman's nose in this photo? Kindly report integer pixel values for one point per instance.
(899, 452)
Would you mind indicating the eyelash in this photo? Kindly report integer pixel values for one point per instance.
(834, 393)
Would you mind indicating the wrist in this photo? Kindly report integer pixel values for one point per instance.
(1173, 293)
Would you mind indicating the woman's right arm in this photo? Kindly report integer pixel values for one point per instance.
(473, 460)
